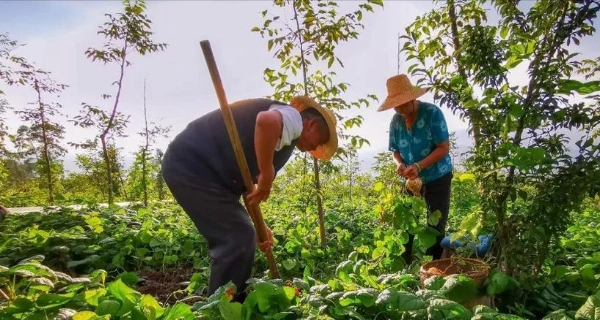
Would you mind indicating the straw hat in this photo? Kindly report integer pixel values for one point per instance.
(327, 150)
(400, 91)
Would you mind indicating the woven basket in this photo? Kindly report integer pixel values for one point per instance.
(476, 269)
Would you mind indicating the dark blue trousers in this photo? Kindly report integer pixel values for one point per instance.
(221, 219)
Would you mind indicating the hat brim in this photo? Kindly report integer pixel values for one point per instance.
(398, 100)
(327, 150)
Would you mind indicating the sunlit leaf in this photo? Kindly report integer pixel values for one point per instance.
(567, 86)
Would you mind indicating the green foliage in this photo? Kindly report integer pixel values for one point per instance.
(91, 183)
(138, 185)
(385, 170)
(348, 278)
(353, 293)
(155, 237)
(38, 292)
(403, 215)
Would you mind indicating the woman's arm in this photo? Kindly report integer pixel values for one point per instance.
(436, 155)
(398, 158)
(412, 171)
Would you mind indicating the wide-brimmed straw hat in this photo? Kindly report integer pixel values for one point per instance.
(327, 150)
(400, 91)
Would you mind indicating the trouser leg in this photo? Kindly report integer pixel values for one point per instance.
(437, 197)
(225, 224)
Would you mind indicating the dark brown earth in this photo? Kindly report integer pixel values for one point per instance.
(164, 284)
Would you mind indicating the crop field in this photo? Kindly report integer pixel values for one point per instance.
(150, 263)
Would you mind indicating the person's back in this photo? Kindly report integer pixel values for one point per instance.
(203, 150)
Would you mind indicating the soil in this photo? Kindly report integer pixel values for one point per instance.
(163, 284)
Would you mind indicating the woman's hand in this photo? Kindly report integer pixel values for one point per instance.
(411, 172)
(400, 169)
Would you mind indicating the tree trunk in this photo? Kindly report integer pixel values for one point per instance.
(122, 183)
(109, 125)
(144, 174)
(46, 152)
(144, 151)
(108, 168)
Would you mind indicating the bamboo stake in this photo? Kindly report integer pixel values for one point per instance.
(254, 211)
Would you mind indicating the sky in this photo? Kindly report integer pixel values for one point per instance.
(57, 33)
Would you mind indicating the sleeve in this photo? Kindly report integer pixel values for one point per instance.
(292, 124)
(439, 128)
(393, 144)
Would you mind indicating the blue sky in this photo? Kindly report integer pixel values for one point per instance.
(25, 19)
(57, 33)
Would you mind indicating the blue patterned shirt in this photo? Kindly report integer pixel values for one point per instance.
(414, 145)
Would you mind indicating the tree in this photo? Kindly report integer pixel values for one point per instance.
(43, 136)
(99, 119)
(127, 33)
(149, 134)
(520, 157)
(312, 38)
(90, 184)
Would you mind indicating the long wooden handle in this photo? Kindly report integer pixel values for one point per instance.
(254, 211)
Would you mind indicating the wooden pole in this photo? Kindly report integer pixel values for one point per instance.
(254, 211)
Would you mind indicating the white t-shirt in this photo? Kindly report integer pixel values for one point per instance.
(292, 124)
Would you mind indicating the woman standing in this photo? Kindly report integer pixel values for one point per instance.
(419, 142)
